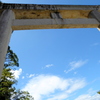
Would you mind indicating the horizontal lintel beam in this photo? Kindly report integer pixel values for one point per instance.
(24, 24)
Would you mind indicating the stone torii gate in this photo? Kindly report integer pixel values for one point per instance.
(32, 16)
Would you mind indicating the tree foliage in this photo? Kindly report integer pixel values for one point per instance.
(7, 80)
(98, 92)
(7, 90)
(11, 59)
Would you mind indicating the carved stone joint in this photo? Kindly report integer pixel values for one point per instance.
(95, 14)
(55, 15)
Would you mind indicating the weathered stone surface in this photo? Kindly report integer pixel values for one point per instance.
(33, 11)
(6, 20)
(49, 7)
(40, 12)
(25, 24)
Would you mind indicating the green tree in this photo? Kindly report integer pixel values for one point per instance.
(22, 95)
(11, 59)
(7, 80)
(7, 90)
(98, 92)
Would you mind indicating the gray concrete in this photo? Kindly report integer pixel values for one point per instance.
(21, 24)
(6, 20)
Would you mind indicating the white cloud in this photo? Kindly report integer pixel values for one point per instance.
(27, 74)
(91, 91)
(59, 97)
(75, 85)
(31, 75)
(47, 85)
(75, 64)
(95, 44)
(99, 61)
(75, 72)
(49, 65)
(91, 95)
(23, 77)
(88, 97)
(17, 73)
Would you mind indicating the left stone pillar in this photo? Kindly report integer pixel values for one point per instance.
(6, 20)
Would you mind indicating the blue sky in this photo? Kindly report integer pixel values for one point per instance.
(58, 64)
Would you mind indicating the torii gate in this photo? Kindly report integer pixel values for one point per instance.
(32, 16)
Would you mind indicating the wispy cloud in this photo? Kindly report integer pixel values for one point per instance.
(61, 96)
(99, 61)
(75, 72)
(23, 77)
(88, 97)
(47, 85)
(49, 65)
(75, 64)
(17, 73)
(95, 44)
(31, 75)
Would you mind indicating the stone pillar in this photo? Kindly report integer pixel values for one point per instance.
(6, 20)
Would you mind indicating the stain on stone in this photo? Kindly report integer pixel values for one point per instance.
(33, 13)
